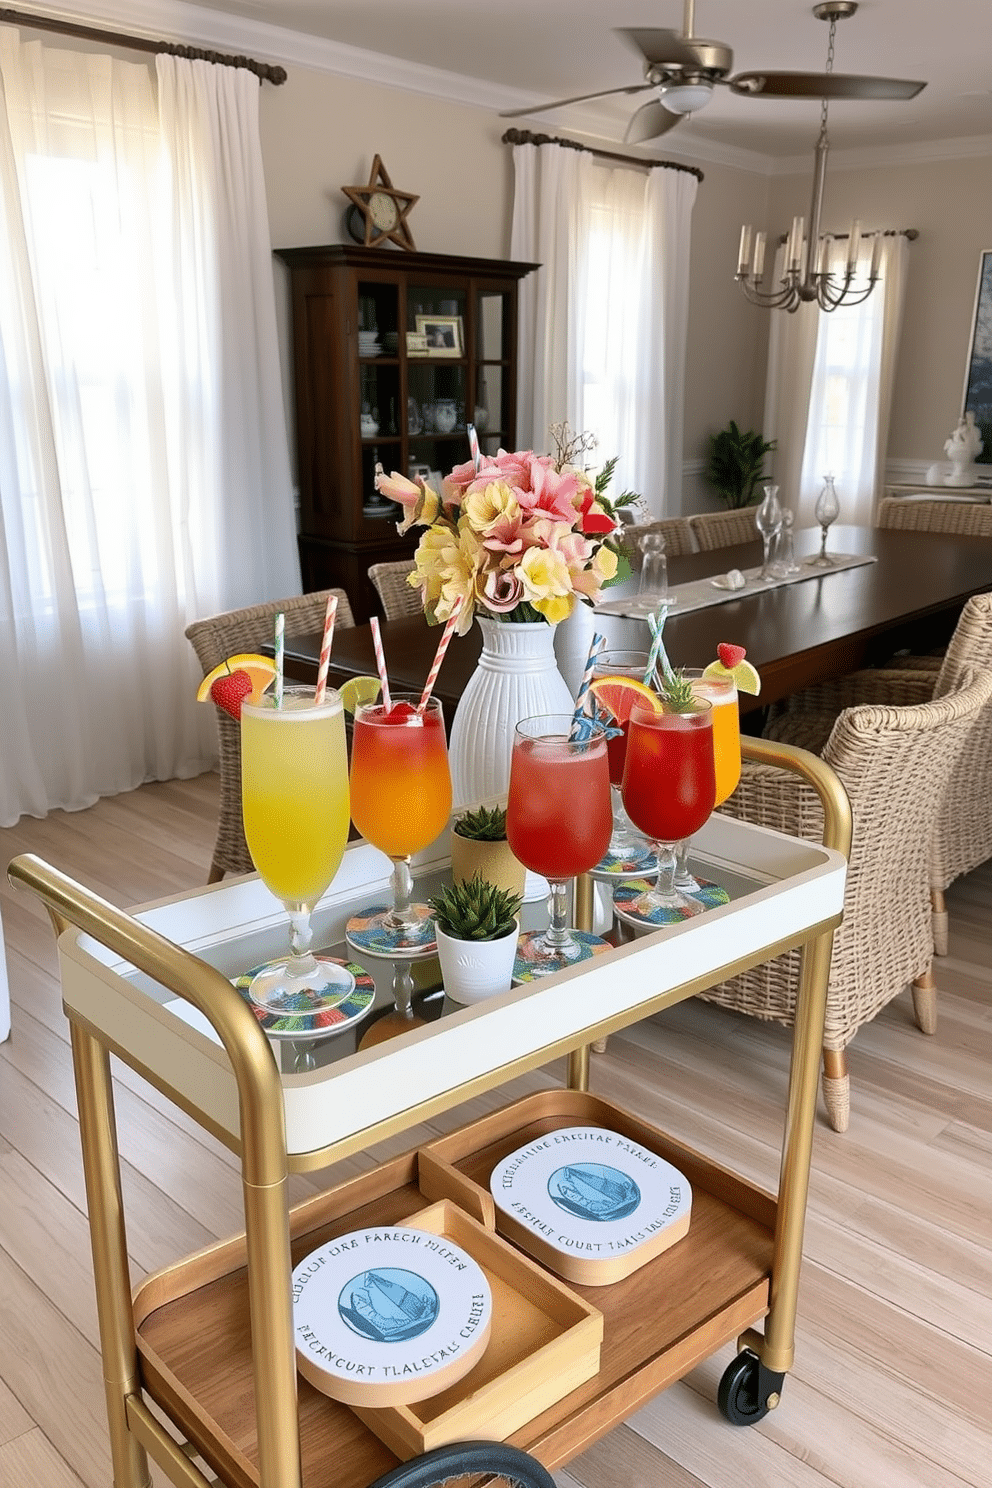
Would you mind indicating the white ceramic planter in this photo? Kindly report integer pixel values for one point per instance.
(473, 970)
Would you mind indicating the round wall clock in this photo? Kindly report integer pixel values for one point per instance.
(379, 211)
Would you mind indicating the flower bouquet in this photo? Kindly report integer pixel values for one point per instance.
(523, 537)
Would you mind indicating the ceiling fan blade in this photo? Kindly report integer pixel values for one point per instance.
(650, 121)
(821, 85)
(542, 108)
(658, 45)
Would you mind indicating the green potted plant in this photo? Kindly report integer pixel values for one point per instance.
(476, 925)
(737, 464)
(479, 845)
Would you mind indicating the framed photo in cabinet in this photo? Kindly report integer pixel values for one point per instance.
(443, 334)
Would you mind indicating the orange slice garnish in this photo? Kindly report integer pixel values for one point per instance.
(620, 694)
(261, 670)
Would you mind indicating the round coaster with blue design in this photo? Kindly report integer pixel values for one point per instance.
(371, 934)
(529, 965)
(389, 1315)
(709, 895)
(296, 1016)
(638, 863)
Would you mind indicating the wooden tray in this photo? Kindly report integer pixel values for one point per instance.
(193, 1329)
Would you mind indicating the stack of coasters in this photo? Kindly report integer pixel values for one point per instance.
(590, 1204)
(389, 1315)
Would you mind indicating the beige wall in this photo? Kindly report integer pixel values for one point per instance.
(949, 203)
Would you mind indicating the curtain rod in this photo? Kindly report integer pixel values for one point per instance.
(525, 137)
(266, 72)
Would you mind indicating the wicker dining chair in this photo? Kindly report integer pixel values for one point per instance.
(895, 763)
(675, 530)
(723, 529)
(965, 518)
(963, 835)
(218, 637)
(395, 594)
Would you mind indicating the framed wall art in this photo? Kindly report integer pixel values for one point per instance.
(978, 374)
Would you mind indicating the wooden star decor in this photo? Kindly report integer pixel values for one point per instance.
(379, 212)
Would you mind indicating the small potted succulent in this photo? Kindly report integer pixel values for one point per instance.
(479, 845)
(476, 925)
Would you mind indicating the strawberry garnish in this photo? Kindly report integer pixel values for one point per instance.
(731, 656)
(230, 691)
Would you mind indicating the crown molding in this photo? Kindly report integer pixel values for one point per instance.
(175, 20)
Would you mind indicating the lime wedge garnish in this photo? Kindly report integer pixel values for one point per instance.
(359, 690)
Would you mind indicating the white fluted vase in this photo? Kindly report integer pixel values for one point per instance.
(517, 677)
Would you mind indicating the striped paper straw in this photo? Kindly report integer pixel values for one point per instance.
(596, 646)
(442, 647)
(280, 649)
(656, 624)
(325, 647)
(380, 663)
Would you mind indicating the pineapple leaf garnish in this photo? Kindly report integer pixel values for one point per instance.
(676, 692)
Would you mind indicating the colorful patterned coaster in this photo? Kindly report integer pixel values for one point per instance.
(593, 1205)
(296, 1017)
(638, 863)
(529, 965)
(389, 1315)
(370, 933)
(709, 895)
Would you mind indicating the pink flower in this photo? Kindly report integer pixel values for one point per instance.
(502, 591)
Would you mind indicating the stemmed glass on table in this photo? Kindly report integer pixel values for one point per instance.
(669, 789)
(294, 793)
(558, 824)
(826, 511)
(627, 849)
(768, 520)
(721, 693)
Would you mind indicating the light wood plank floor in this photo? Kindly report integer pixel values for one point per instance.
(892, 1386)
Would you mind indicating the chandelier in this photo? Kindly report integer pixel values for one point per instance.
(809, 275)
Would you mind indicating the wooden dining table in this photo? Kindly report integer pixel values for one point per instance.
(795, 634)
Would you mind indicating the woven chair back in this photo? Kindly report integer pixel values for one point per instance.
(218, 637)
(675, 530)
(966, 518)
(963, 838)
(725, 529)
(396, 595)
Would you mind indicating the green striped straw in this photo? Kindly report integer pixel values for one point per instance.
(280, 651)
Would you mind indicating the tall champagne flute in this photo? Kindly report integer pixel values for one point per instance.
(768, 520)
(722, 695)
(294, 796)
(558, 823)
(669, 787)
(400, 802)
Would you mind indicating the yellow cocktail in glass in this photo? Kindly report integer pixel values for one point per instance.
(294, 799)
(721, 694)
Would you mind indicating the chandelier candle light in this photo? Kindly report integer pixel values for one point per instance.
(808, 276)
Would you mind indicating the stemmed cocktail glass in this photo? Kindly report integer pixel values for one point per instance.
(721, 693)
(558, 824)
(628, 851)
(826, 511)
(294, 794)
(400, 802)
(669, 787)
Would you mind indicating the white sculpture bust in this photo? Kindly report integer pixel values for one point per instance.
(962, 448)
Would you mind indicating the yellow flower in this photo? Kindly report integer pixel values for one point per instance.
(547, 583)
(494, 506)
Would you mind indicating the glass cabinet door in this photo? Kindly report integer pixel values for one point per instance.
(379, 414)
(491, 416)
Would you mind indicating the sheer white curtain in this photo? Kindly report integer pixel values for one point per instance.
(144, 475)
(604, 322)
(829, 396)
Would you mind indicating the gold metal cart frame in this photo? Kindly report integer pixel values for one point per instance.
(260, 1138)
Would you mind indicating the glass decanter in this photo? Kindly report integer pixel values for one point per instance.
(826, 511)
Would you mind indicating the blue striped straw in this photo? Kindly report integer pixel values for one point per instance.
(280, 650)
(596, 646)
(656, 624)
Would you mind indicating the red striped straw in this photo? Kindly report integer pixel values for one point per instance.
(325, 647)
(380, 663)
(442, 647)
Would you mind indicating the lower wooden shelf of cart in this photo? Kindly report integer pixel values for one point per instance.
(538, 1384)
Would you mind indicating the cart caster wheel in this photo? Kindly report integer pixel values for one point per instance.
(500, 1462)
(748, 1391)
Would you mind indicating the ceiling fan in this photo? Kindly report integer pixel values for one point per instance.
(683, 69)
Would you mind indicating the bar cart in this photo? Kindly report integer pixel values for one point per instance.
(209, 1342)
